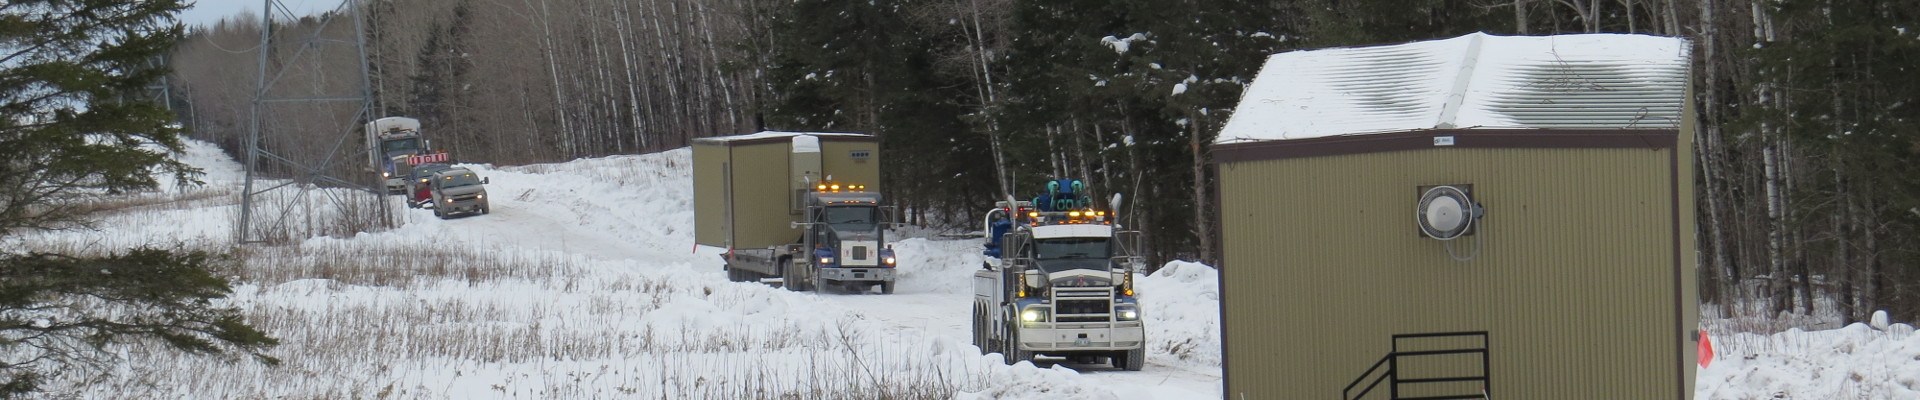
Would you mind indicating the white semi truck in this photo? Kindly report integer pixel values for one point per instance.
(795, 208)
(1058, 282)
(394, 146)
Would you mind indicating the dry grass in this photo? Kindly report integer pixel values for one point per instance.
(420, 321)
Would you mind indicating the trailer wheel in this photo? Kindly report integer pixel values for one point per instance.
(790, 277)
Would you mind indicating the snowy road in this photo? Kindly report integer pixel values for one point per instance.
(532, 210)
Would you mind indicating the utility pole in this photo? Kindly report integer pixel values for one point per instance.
(281, 52)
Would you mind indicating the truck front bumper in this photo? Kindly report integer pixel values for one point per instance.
(857, 274)
(1078, 337)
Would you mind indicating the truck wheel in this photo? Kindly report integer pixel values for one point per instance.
(790, 277)
(1014, 354)
(438, 213)
(886, 287)
(1131, 360)
(976, 329)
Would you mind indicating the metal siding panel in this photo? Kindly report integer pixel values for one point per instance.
(709, 214)
(836, 160)
(1574, 281)
(760, 196)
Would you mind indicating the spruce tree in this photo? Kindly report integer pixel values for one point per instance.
(76, 125)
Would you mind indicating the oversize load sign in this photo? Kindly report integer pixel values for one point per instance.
(429, 158)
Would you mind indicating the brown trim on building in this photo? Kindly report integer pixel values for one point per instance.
(1679, 320)
(1461, 138)
(1220, 284)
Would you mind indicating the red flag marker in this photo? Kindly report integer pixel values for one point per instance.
(1706, 349)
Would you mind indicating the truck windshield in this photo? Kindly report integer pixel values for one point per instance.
(1071, 248)
(844, 217)
(459, 180)
(401, 146)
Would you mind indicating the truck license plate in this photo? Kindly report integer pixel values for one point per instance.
(1082, 342)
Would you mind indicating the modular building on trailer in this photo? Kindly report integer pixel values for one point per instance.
(1476, 217)
(801, 207)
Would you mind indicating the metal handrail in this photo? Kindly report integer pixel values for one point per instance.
(1393, 380)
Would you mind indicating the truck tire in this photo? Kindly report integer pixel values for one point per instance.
(1014, 354)
(1131, 360)
(438, 213)
(733, 274)
(976, 330)
(886, 287)
(790, 277)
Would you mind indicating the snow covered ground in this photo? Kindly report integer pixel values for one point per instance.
(585, 282)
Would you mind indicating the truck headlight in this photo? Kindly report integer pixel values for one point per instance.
(826, 260)
(1033, 315)
(482, 196)
(1127, 313)
(386, 174)
(889, 260)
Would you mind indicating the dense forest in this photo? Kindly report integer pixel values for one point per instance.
(1806, 146)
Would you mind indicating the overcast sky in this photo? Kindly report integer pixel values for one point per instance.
(207, 12)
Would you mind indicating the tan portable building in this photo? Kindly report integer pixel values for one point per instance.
(747, 188)
(1569, 268)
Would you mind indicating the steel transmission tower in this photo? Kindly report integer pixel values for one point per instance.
(309, 186)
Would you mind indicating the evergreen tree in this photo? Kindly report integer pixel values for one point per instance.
(76, 125)
(865, 67)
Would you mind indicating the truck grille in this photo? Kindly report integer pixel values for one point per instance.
(1083, 310)
(859, 253)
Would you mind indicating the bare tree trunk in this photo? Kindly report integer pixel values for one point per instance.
(553, 71)
(1202, 223)
(1780, 282)
(1520, 16)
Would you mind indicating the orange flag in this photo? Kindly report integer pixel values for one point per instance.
(1706, 349)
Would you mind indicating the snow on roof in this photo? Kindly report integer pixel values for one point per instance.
(777, 134)
(1477, 81)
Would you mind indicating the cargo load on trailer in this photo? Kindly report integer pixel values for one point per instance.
(800, 209)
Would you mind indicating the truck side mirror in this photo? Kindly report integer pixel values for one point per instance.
(486, 181)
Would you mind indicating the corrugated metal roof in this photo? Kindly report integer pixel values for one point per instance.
(1477, 81)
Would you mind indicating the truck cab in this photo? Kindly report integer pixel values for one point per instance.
(1062, 285)
(395, 145)
(847, 232)
(458, 191)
